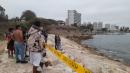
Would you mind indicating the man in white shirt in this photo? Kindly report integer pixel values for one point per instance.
(35, 46)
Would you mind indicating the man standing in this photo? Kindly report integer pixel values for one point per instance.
(45, 35)
(35, 46)
(19, 45)
(58, 43)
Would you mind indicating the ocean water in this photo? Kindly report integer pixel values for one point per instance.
(114, 46)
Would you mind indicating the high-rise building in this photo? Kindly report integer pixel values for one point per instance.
(2, 11)
(73, 18)
(95, 24)
(3, 16)
(113, 27)
(108, 26)
(98, 25)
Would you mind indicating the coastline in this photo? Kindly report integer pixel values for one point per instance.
(79, 39)
(82, 55)
(97, 63)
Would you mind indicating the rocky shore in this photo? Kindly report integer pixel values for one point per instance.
(79, 38)
(83, 56)
(96, 63)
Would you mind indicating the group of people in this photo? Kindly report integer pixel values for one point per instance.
(16, 44)
(36, 38)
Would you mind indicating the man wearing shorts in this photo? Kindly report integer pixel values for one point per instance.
(35, 46)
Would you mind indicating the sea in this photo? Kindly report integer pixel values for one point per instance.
(116, 47)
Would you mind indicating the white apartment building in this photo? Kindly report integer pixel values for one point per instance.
(108, 26)
(113, 28)
(97, 25)
(73, 18)
(100, 25)
(2, 11)
(3, 16)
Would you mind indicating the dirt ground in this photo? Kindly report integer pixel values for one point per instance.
(96, 63)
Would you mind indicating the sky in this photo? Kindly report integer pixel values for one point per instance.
(108, 11)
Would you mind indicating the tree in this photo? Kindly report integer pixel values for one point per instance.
(121, 29)
(90, 27)
(28, 15)
(24, 26)
(104, 29)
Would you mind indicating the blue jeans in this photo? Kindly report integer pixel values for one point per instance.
(19, 51)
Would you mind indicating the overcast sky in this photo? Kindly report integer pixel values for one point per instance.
(108, 11)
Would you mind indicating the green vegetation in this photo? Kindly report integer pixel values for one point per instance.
(88, 28)
(28, 15)
(25, 21)
(104, 29)
(124, 29)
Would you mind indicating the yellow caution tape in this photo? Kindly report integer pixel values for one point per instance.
(71, 63)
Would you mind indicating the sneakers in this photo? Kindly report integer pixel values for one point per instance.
(22, 62)
(18, 61)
